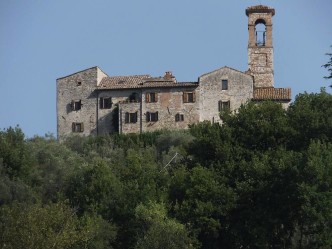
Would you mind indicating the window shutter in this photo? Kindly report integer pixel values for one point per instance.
(157, 116)
(82, 127)
(185, 97)
(219, 105)
(135, 118)
(73, 127)
(147, 97)
(127, 117)
(156, 97)
(194, 97)
(101, 103)
(72, 105)
(148, 116)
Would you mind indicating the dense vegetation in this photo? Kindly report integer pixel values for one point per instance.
(262, 180)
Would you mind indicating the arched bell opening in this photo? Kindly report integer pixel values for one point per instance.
(260, 32)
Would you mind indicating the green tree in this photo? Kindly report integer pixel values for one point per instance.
(311, 118)
(36, 226)
(15, 158)
(328, 65)
(158, 230)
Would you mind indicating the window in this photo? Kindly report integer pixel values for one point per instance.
(224, 85)
(151, 97)
(130, 117)
(151, 116)
(105, 103)
(179, 117)
(78, 83)
(189, 97)
(134, 97)
(77, 127)
(223, 105)
(76, 105)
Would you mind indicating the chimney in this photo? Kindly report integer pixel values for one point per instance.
(168, 75)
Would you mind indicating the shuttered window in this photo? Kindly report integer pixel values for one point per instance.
(76, 105)
(105, 103)
(189, 97)
(130, 117)
(77, 127)
(151, 116)
(224, 105)
(179, 117)
(151, 97)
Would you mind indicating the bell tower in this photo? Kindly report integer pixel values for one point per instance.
(260, 46)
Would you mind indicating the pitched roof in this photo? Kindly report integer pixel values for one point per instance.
(271, 93)
(222, 68)
(140, 81)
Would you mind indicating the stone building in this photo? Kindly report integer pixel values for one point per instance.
(90, 102)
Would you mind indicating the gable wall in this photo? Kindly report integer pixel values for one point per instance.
(240, 90)
(68, 90)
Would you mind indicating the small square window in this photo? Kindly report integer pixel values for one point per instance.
(189, 97)
(223, 105)
(76, 105)
(130, 117)
(151, 97)
(179, 117)
(78, 83)
(105, 103)
(151, 116)
(77, 127)
(224, 85)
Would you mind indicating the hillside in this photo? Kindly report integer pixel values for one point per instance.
(262, 180)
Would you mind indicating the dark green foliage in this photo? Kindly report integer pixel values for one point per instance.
(328, 65)
(15, 159)
(311, 118)
(261, 180)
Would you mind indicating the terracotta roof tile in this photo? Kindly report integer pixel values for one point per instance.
(140, 81)
(272, 93)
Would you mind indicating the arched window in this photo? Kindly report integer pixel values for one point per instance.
(260, 32)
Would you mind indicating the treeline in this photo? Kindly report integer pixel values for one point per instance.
(261, 180)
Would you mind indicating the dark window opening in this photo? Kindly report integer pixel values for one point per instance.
(76, 105)
(224, 105)
(78, 83)
(77, 127)
(151, 116)
(105, 103)
(134, 97)
(130, 117)
(189, 97)
(179, 117)
(151, 97)
(224, 85)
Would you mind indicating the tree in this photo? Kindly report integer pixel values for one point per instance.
(328, 65)
(15, 158)
(310, 117)
(39, 227)
(158, 230)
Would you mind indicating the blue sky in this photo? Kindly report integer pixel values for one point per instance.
(44, 40)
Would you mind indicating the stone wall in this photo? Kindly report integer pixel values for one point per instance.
(240, 90)
(79, 86)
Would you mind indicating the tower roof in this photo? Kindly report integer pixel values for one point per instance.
(260, 9)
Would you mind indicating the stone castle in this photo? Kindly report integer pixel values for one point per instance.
(90, 102)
